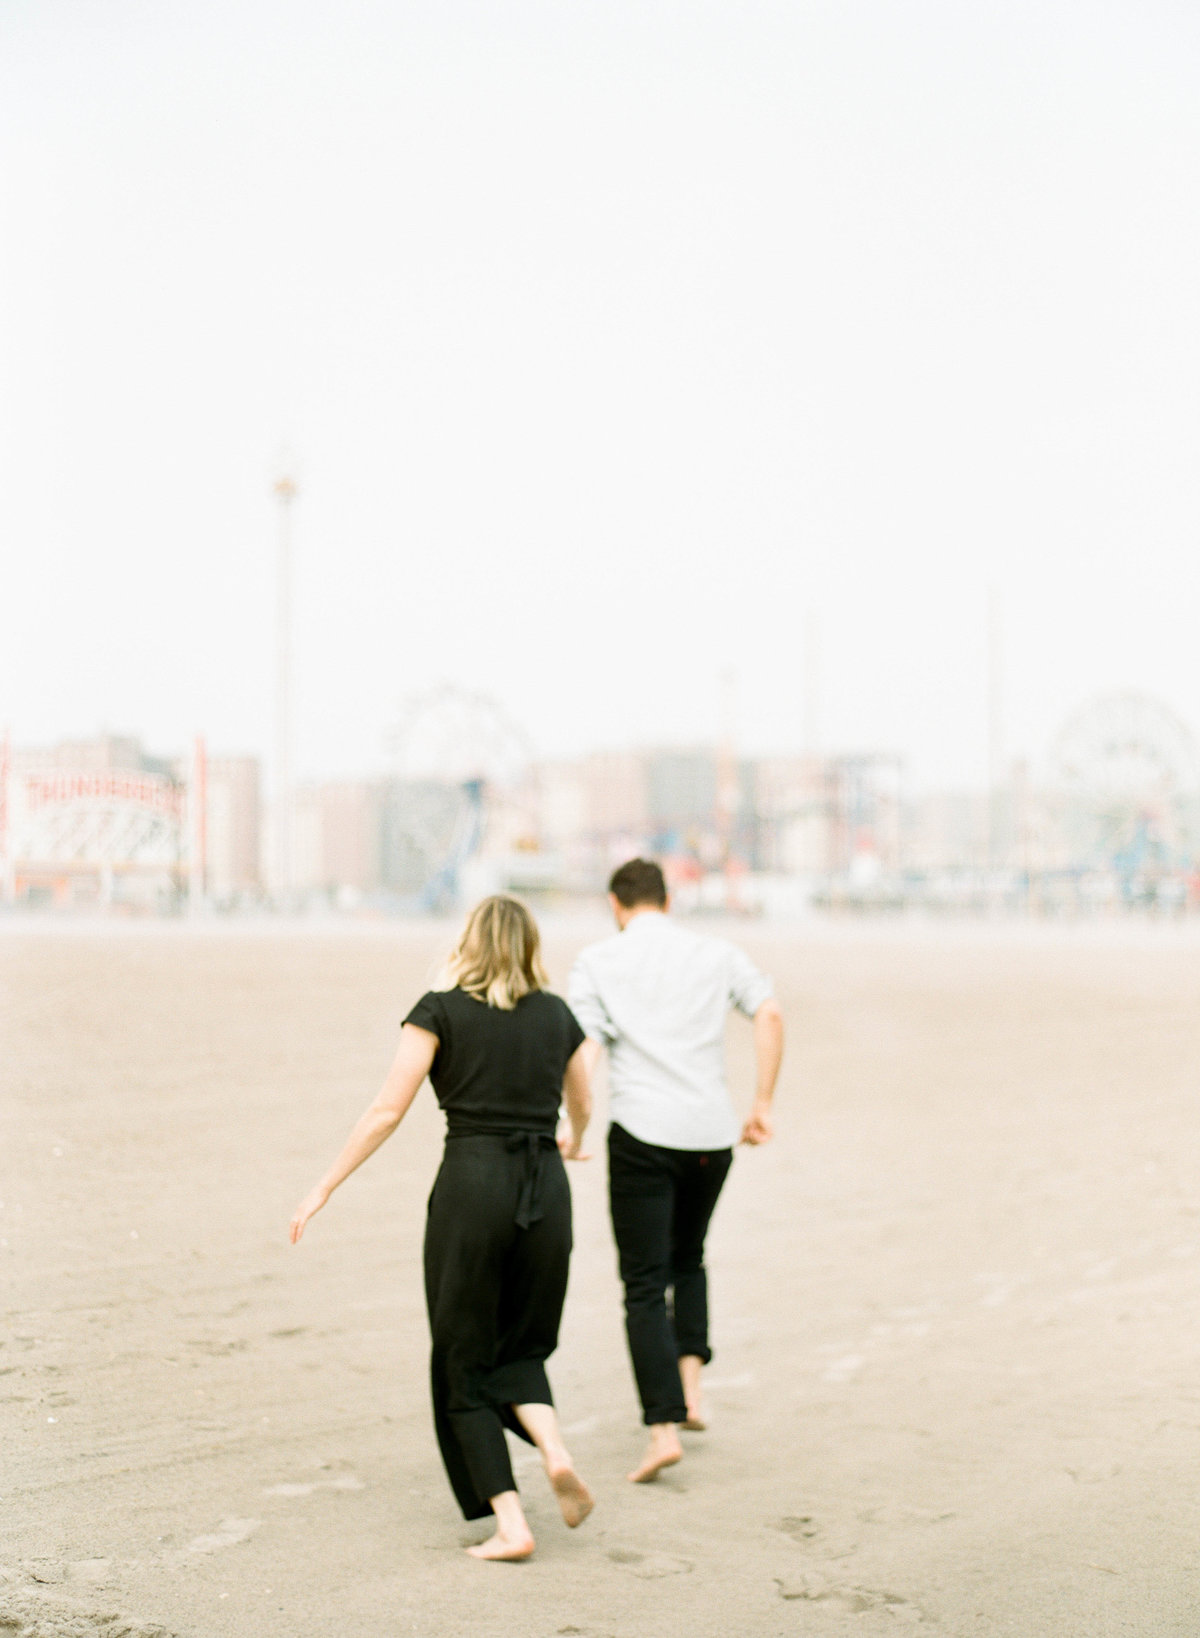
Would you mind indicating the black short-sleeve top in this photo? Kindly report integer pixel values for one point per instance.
(498, 1070)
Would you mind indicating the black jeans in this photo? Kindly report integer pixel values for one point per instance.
(661, 1201)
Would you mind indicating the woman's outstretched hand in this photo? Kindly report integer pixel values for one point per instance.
(312, 1203)
(570, 1148)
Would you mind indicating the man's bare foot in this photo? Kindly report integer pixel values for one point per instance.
(574, 1497)
(508, 1549)
(664, 1450)
(690, 1366)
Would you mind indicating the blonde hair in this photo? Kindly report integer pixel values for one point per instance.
(497, 959)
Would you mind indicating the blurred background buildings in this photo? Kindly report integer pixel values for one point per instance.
(1110, 822)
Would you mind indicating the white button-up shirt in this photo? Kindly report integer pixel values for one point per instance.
(657, 996)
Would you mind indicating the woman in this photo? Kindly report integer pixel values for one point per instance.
(503, 1054)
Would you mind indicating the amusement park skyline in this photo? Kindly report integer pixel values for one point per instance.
(851, 351)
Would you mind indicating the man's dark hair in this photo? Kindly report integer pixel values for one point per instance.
(640, 881)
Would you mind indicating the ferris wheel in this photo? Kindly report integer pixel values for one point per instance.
(1128, 773)
(453, 735)
(452, 752)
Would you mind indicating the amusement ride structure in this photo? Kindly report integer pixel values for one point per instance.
(454, 754)
(1125, 772)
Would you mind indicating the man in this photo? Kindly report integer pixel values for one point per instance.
(656, 995)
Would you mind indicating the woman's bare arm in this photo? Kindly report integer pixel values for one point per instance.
(413, 1061)
(577, 1096)
(589, 1055)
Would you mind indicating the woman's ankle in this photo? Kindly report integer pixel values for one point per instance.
(511, 1522)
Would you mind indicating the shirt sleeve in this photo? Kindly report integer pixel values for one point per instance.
(428, 1014)
(576, 1034)
(748, 988)
(585, 1002)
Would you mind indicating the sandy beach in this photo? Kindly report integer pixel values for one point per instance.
(956, 1386)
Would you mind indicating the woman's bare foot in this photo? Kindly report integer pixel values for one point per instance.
(694, 1421)
(664, 1450)
(504, 1548)
(574, 1497)
(513, 1539)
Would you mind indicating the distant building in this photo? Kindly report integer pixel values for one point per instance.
(339, 836)
(790, 800)
(835, 816)
(947, 831)
(681, 794)
(863, 794)
(233, 843)
(588, 810)
(616, 794)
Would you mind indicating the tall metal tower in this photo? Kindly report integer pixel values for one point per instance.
(286, 491)
(728, 792)
(812, 683)
(7, 862)
(995, 727)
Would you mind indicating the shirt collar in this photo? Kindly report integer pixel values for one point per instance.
(645, 918)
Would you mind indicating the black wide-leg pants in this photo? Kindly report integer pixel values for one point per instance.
(497, 1246)
(661, 1201)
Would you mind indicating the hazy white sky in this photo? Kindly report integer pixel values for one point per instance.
(613, 339)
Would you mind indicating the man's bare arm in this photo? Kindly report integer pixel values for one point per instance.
(768, 1055)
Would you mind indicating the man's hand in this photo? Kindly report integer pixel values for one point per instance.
(768, 1054)
(570, 1148)
(758, 1129)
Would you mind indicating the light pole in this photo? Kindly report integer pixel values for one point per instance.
(285, 493)
(995, 733)
(7, 861)
(812, 683)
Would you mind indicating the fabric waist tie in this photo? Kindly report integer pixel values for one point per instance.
(535, 1146)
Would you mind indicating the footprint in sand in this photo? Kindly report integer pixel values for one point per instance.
(217, 1348)
(35, 1615)
(346, 1481)
(1093, 1475)
(808, 1532)
(814, 1588)
(844, 1369)
(47, 1572)
(899, 1513)
(93, 1571)
(649, 1566)
(227, 1534)
(800, 1529)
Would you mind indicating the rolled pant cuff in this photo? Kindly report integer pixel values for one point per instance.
(664, 1413)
